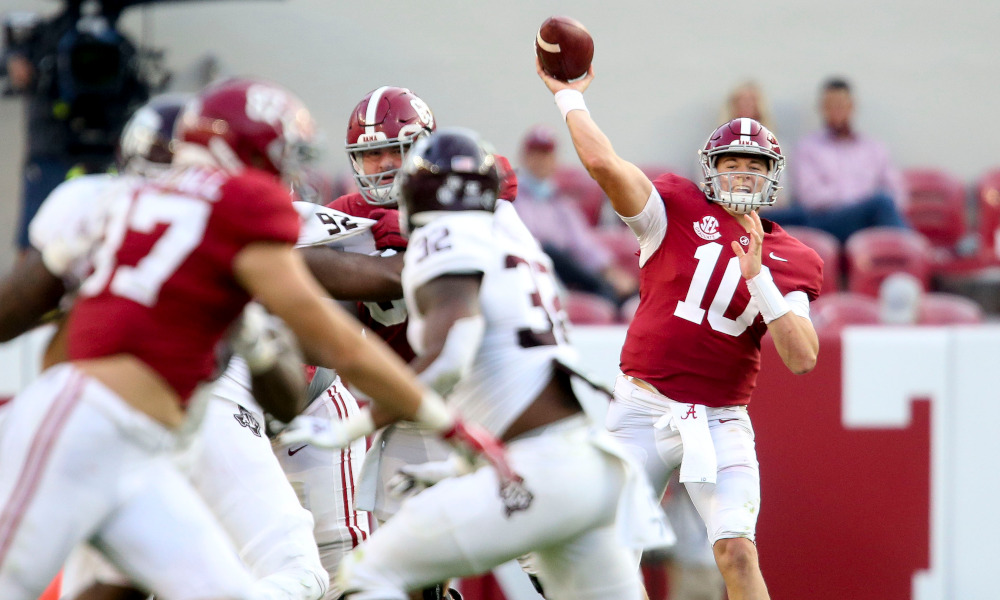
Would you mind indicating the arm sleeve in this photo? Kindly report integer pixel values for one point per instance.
(650, 226)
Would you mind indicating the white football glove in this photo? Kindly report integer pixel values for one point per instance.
(410, 480)
(326, 433)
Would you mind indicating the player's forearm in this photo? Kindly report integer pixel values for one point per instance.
(624, 183)
(281, 390)
(796, 342)
(27, 293)
(352, 276)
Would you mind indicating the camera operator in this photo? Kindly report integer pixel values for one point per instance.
(81, 80)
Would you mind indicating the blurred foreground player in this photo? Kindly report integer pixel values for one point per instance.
(179, 258)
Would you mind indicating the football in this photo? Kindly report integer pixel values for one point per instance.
(564, 47)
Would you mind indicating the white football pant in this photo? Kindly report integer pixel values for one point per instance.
(325, 481)
(459, 526)
(78, 464)
(728, 507)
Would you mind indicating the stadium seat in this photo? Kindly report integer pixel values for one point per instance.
(623, 244)
(874, 253)
(939, 308)
(988, 205)
(832, 312)
(829, 249)
(627, 311)
(577, 184)
(937, 207)
(589, 309)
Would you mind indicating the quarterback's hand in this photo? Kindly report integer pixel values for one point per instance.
(410, 480)
(386, 229)
(555, 85)
(750, 261)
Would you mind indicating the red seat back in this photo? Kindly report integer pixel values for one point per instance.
(832, 312)
(875, 253)
(988, 204)
(577, 184)
(937, 206)
(828, 247)
(589, 309)
(939, 308)
(623, 245)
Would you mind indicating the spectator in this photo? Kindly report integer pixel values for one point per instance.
(747, 100)
(580, 259)
(844, 181)
(81, 82)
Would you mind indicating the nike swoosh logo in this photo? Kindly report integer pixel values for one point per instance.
(777, 257)
(292, 451)
(727, 420)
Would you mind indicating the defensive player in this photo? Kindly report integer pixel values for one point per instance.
(489, 332)
(709, 291)
(178, 259)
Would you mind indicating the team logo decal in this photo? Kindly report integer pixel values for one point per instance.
(246, 419)
(515, 496)
(707, 228)
(744, 240)
(423, 112)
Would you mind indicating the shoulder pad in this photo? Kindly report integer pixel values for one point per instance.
(322, 225)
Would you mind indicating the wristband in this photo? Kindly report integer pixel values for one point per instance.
(359, 425)
(433, 413)
(769, 299)
(568, 100)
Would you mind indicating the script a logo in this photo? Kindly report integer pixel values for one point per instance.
(707, 228)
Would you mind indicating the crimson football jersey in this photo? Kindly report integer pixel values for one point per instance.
(386, 319)
(696, 333)
(163, 287)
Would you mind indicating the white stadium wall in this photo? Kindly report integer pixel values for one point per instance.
(878, 468)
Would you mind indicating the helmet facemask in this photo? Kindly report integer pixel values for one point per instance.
(381, 188)
(748, 191)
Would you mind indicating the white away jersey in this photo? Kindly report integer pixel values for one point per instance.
(525, 323)
(70, 222)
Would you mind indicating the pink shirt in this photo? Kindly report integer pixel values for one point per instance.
(830, 172)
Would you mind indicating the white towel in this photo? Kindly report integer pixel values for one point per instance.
(698, 464)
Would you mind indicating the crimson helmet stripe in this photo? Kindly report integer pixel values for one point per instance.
(371, 111)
